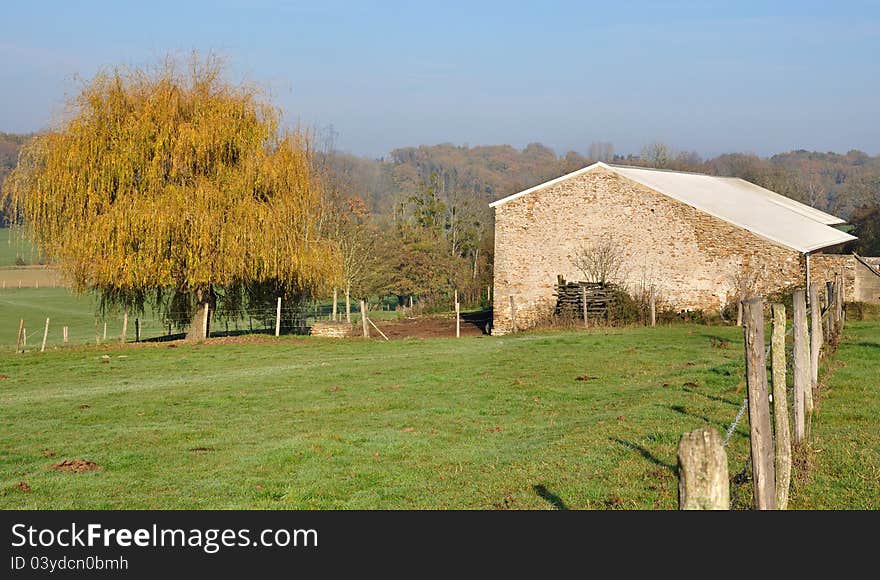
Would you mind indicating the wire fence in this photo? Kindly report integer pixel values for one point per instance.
(68, 327)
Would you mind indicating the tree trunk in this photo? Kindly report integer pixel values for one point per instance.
(200, 326)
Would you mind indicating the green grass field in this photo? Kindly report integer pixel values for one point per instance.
(846, 430)
(78, 313)
(13, 247)
(540, 420)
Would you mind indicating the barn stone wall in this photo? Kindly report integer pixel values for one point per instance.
(690, 256)
(827, 267)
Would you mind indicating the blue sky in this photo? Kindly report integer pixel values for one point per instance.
(709, 76)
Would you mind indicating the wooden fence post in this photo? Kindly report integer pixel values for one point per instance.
(780, 408)
(97, 336)
(759, 405)
(702, 471)
(348, 303)
(410, 305)
(815, 334)
(45, 336)
(584, 306)
(457, 320)
(512, 313)
(64, 334)
(124, 336)
(137, 329)
(803, 396)
(24, 339)
(364, 318)
(653, 310)
(278, 317)
(838, 313)
(20, 330)
(829, 305)
(334, 304)
(105, 331)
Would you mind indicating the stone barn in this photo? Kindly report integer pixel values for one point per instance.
(692, 237)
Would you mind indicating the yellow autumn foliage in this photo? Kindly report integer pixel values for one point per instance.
(174, 179)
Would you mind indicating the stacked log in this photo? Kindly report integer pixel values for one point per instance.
(570, 299)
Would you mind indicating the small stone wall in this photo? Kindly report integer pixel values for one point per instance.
(331, 329)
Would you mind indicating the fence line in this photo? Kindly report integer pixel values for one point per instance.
(768, 491)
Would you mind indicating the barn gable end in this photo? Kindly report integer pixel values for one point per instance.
(690, 255)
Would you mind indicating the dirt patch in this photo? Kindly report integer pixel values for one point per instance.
(430, 327)
(2, 376)
(586, 378)
(84, 407)
(75, 465)
(23, 487)
(49, 453)
(202, 449)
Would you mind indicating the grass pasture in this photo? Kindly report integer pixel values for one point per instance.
(312, 423)
(574, 419)
(14, 249)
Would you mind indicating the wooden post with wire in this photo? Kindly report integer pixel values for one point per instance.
(334, 304)
(278, 317)
(702, 471)
(20, 330)
(761, 433)
(829, 301)
(64, 334)
(801, 368)
(815, 334)
(364, 318)
(457, 320)
(653, 310)
(780, 407)
(124, 336)
(45, 336)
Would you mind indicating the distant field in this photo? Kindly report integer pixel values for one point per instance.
(78, 313)
(12, 247)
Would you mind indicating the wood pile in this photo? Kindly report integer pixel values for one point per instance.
(570, 299)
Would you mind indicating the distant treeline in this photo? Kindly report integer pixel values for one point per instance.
(847, 184)
(832, 182)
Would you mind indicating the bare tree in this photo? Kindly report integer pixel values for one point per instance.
(601, 261)
(657, 155)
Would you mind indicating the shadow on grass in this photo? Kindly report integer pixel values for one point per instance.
(645, 453)
(868, 344)
(715, 398)
(550, 497)
(683, 410)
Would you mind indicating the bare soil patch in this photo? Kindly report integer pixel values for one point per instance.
(75, 465)
(432, 327)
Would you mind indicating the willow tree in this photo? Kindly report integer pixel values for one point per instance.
(175, 186)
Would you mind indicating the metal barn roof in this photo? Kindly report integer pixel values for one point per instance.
(739, 202)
